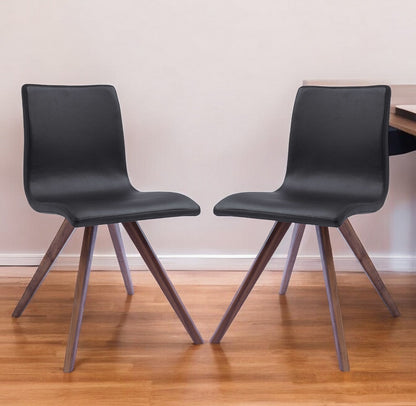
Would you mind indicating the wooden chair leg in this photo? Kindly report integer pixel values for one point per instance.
(333, 299)
(158, 272)
(115, 234)
(291, 258)
(264, 256)
(53, 251)
(81, 287)
(357, 247)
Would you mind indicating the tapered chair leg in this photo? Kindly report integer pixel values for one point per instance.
(115, 234)
(262, 259)
(158, 272)
(333, 298)
(80, 295)
(291, 258)
(357, 247)
(53, 251)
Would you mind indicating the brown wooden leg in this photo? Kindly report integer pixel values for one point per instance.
(357, 247)
(333, 299)
(262, 259)
(158, 272)
(53, 251)
(81, 287)
(291, 258)
(121, 256)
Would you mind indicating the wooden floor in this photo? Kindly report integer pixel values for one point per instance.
(279, 350)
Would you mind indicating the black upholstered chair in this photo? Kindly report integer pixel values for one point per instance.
(337, 167)
(74, 166)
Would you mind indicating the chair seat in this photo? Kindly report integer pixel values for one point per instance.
(87, 209)
(304, 207)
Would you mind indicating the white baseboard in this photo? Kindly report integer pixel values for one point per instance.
(215, 262)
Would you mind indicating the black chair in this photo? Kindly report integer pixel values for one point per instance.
(74, 166)
(337, 167)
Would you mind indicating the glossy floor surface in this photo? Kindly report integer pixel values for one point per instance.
(279, 350)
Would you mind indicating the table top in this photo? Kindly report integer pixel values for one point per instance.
(401, 123)
(402, 94)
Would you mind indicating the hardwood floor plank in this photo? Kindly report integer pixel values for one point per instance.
(278, 351)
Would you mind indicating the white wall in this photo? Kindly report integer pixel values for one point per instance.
(206, 89)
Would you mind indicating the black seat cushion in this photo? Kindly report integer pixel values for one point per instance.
(293, 207)
(87, 209)
(337, 163)
(75, 164)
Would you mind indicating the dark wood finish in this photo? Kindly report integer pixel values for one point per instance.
(80, 295)
(277, 233)
(291, 258)
(333, 299)
(357, 247)
(58, 243)
(157, 270)
(115, 234)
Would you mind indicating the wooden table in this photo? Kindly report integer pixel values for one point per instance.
(403, 124)
(402, 94)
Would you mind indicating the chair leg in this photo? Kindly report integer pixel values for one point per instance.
(333, 299)
(291, 258)
(53, 251)
(357, 247)
(115, 234)
(81, 287)
(158, 272)
(264, 256)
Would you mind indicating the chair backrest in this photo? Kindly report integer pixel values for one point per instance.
(338, 141)
(73, 141)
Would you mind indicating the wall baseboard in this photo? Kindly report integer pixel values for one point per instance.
(215, 262)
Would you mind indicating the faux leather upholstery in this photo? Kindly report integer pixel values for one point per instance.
(74, 163)
(337, 164)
